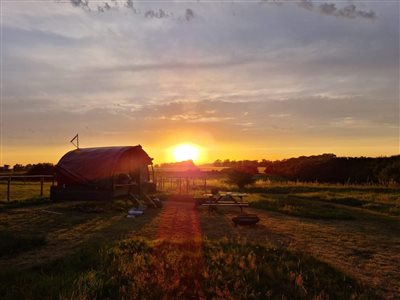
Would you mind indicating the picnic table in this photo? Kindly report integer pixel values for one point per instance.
(225, 199)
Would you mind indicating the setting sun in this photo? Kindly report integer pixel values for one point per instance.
(186, 152)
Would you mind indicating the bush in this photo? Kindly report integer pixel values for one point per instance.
(242, 176)
(390, 173)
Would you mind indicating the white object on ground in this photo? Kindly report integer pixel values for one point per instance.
(51, 212)
(135, 212)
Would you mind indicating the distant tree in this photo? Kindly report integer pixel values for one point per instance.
(242, 176)
(18, 168)
(390, 173)
(41, 169)
(329, 168)
(226, 163)
(217, 163)
(5, 168)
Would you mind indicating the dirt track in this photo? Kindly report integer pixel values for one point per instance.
(179, 236)
(179, 222)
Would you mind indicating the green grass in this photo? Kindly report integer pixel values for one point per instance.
(49, 280)
(299, 207)
(288, 197)
(32, 202)
(138, 269)
(85, 236)
(104, 267)
(251, 271)
(12, 243)
(388, 203)
(22, 190)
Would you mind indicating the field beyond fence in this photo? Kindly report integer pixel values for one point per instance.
(17, 188)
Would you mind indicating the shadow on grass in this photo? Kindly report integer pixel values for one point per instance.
(300, 207)
(137, 269)
(251, 271)
(57, 279)
(387, 208)
(12, 243)
(5, 205)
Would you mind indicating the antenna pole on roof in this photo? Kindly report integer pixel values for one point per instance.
(76, 137)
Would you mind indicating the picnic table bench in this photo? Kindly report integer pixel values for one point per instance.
(225, 199)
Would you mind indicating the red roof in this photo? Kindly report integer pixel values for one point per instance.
(88, 165)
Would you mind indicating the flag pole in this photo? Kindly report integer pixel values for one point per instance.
(76, 137)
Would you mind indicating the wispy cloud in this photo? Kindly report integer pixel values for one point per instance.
(177, 65)
(158, 13)
(349, 11)
(80, 3)
(330, 9)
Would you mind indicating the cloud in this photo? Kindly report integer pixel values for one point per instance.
(189, 14)
(81, 3)
(158, 13)
(179, 65)
(350, 11)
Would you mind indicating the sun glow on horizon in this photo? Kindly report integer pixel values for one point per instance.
(184, 152)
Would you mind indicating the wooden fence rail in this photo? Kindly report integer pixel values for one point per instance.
(181, 185)
(41, 178)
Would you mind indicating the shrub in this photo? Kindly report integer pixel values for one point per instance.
(242, 176)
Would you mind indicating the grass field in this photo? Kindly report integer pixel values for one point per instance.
(314, 241)
(22, 190)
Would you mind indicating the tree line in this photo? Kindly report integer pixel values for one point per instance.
(29, 169)
(328, 168)
(322, 168)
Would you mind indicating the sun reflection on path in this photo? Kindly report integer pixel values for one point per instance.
(180, 240)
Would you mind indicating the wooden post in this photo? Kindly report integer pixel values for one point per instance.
(205, 185)
(41, 187)
(187, 186)
(140, 185)
(8, 188)
(113, 185)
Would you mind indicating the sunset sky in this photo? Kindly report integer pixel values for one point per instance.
(240, 80)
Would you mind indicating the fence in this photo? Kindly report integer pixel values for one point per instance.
(20, 187)
(193, 185)
(181, 185)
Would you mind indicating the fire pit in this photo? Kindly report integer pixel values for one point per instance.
(246, 219)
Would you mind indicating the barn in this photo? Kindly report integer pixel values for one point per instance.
(103, 173)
